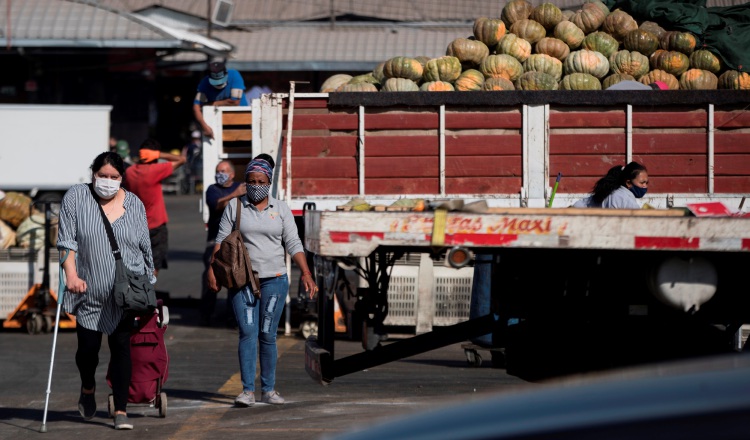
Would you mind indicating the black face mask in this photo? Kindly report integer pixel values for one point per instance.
(637, 191)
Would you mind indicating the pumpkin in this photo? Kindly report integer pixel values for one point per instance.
(513, 45)
(547, 14)
(652, 27)
(670, 61)
(678, 41)
(660, 75)
(589, 18)
(616, 78)
(630, 63)
(403, 67)
(377, 72)
(400, 85)
(543, 63)
(469, 52)
(618, 23)
(516, 10)
(334, 82)
(470, 79)
(529, 30)
(601, 42)
(705, 60)
(489, 30)
(422, 60)
(15, 208)
(580, 81)
(586, 61)
(734, 80)
(365, 78)
(436, 86)
(599, 4)
(698, 79)
(553, 47)
(498, 84)
(642, 41)
(501, 66)
(571, 34)
(535, 80)
(357, 87)
(442, 69)
(567, 13)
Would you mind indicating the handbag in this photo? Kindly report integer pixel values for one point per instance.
(231, 264)
(132, 292)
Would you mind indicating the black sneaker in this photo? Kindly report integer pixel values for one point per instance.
(87, 405)
(122, 422)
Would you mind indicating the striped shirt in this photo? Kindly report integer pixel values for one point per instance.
(265, 233)
(81, 230)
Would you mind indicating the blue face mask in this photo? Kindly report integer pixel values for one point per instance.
(222, 178)
(637, 191)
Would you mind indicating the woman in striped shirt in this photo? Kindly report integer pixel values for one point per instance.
(90, 273)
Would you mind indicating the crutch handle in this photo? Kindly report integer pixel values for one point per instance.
(61, 275)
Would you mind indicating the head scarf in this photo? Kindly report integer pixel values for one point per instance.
(259, 166)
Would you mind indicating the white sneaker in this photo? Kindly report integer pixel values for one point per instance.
(272, 397)
(245, 399)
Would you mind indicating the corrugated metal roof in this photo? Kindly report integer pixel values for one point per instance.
(59, 23)
(314, 47)
(246, 11)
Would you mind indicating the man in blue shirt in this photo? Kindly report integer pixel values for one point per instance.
(221, 87)
(217, 197)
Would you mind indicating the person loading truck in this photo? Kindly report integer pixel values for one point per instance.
(222, 87)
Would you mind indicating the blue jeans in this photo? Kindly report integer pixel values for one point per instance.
(258, 321)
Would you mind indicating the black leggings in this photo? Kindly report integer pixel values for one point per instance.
(87, 359)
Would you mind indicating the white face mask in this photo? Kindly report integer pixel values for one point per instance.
(106, 188)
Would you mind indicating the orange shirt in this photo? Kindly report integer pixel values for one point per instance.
(144, 180)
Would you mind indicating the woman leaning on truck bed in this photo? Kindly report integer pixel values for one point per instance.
(619, 188)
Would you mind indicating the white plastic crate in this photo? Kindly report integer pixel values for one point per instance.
(19, 271)
(452, 295)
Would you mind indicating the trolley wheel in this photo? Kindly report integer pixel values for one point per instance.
(473, 358)
(308, 328)
(111, 405)
(48, 325)
(34, 324)
(162, 404)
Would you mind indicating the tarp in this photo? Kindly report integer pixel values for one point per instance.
(725, 31)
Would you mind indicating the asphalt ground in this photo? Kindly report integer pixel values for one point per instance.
(204, 374)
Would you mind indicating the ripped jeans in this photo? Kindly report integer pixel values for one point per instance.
(258, 321)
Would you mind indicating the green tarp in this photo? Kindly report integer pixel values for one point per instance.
(725, 31)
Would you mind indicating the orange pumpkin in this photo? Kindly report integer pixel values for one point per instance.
(489, 30)
(470, 79)
(547, 14)
(672, 61)
(553, 47)
(403, 67)
(660, 75)
(589, 18)
(501, 66)
(515, 46)
(734, 80)
(618, 24)
(499, 83)
(704, 59)
(678, 41)
(469, 52)
(516, 10)
(571, 34)
(436, 86)
(698, 79)
(529, 30)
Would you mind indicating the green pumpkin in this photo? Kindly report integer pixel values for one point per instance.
(469, 52)
(660, 75)
(630, 63)
(580, 81)
(400, 85)
(586, 61)
(618, 24)
(652, 27)
(678, 41)
(442, 69)
(571, 34)
(501, 66)
(378, 74)
(358, 87)
(334, 82)
(529, 30)
(547, 14)
(672, 61)
(489, 30)
(544, 63)
(436, 86)
(641, 40)
(497, 84)
(403, 67)
(615, 78)
(534, 80)
(698, 79)
(553, 47)
(734, 80)
(470, 79)
(516, 10)
(515, 46)
(601, 42)
(705, 60)
(365, 78)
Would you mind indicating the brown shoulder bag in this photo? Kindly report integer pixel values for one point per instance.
(231, 265)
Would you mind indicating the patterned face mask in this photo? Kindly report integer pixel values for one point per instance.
(222, 178)
(256, 193)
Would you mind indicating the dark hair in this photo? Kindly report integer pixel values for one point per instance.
(267, 158)
(615, 178)
(150, 144)
(108, 158)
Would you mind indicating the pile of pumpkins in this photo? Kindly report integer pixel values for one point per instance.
(546, 48)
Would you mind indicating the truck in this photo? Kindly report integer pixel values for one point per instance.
(572, 289)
